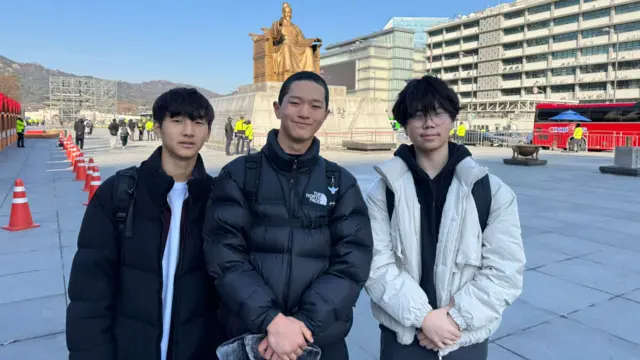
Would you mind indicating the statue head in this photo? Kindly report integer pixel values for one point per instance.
(286, 10)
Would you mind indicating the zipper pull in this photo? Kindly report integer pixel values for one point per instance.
(295, 165)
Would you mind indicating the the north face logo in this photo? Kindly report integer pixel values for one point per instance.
(318, 198)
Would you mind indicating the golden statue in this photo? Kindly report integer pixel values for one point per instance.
(283, 50)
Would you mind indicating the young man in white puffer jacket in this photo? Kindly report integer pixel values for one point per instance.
(439, 283)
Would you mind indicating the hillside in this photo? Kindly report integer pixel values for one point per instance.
(34, 79)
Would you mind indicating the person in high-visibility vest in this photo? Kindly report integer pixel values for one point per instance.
(239, 128)
(576, 139)
(248, 135)
(20, 131)
(461, 131)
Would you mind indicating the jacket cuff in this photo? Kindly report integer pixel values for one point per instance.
(268, 318)
(458, 318)
(420, 313)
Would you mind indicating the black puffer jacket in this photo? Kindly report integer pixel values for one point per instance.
(266, 261)
(115, 288)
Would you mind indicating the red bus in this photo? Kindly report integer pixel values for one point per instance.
(611, 125)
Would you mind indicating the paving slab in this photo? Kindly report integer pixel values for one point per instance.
(583, 249)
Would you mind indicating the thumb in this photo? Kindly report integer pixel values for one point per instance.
(306, 333)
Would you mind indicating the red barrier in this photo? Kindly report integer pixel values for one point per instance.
(10, 110)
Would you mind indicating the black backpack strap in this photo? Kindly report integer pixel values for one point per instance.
(482, 196)
(333, 176)
(124, 197)
(391, 200)
(252, 175)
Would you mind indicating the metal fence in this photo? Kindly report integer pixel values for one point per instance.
(332, 139)
(478, 138)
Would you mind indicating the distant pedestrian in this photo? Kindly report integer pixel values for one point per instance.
(228, 134)
(20, 131)
(248, 136)
(124, 133)
(113, 131)
(80, 129)
(239, 128)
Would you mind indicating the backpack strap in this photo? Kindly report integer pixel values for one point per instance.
(391, 200)
(481, 192)
(124, 197)
(252, 175)
(333, 176)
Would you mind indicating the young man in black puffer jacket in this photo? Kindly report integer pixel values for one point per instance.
(287, 235)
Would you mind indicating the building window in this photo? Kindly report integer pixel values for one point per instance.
(511, 77)
(593, 69)
(588, 34)
(470, 39)
(451, 69)
(537, 58)
(451, 29)
(572, 36)
(567, 54)
(628, 27)
(539, 9)
(629, 46)
(452, 43)
(567, 20)
(511, 62)
(566, 3)
(629, 65)
(628, 84)
(514, 15)
(627, 8)
(562, 89)
(452, 56)
(437, 58)
(512, 46)
(535, 74)
(467, 67)
(437, 45)
(538, 41)
(593, 87)
(510, 92)
(595, 50)
(466, 81)
(435, 32)
(513, 30)
(539, 25)
(598, 14)
(471, 25)
(563, 71)
(402, 53)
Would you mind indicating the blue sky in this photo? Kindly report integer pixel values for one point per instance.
(200, 42)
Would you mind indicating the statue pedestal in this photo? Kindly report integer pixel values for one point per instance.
(350, 117)
(626, 162)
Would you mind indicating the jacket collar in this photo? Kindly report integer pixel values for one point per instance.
(284, 162)
(158, 183)
(468, 171)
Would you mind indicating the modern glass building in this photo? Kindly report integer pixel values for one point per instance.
(418, 24)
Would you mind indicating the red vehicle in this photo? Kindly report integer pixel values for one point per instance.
(611, 125)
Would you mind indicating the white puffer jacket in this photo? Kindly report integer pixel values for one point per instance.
(482, 272)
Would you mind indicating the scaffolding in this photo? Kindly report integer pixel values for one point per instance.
(74, 97)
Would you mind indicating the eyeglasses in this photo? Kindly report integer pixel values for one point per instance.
(438, 118)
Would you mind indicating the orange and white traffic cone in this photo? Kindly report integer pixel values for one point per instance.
(20, 218)
(88, 178)
(74, 158)
(95, 183)
(81, 168)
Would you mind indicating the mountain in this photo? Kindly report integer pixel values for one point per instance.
(34, 79)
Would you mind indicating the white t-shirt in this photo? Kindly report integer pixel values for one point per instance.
(176, 198)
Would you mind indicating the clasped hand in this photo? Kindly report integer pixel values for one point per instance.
(438, 329)
(286, 339)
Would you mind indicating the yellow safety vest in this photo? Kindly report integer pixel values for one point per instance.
(461, 130)
(577, 133)
(19, 126)
(248, 131)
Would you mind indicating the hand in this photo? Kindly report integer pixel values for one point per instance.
(440, 328)
(267, 352)
(288, 336)
(426, 342)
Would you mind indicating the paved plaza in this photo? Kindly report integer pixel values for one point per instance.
(581, 231)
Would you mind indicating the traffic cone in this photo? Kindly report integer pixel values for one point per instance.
(88, 178)
(81, 168)
(74, 157)
(20, 218)
(95, 183)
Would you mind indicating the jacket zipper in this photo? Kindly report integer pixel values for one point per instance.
(289, 243)
(160, 307)
(176, 293)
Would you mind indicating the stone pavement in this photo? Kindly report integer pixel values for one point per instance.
(581, 231)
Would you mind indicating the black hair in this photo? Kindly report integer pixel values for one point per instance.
(578, 125)
(304, 76)
(424, 95)
(187, 102)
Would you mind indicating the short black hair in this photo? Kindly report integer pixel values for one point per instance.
(424, 95)
(303, 76)
(187, 102)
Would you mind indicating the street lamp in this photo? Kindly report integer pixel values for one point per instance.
(615, 73)
(473, 69)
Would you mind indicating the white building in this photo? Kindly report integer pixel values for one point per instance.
(565, 50)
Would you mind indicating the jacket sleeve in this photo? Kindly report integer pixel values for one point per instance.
(92, 282)
(333, 295)
(241, 287)
(499, 281)
(390, 287)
